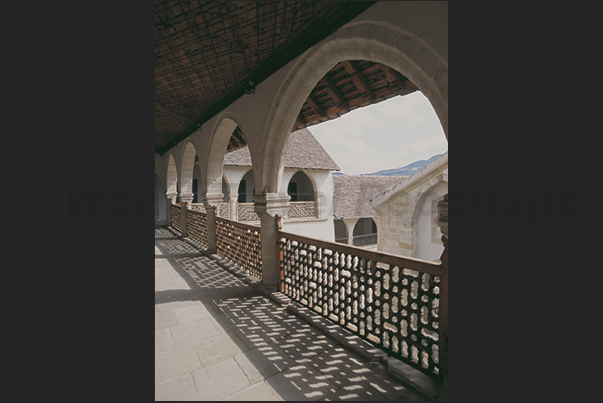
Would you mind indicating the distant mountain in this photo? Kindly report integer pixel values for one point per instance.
(405, 170)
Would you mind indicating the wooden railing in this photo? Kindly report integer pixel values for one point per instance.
(241, 244)
(176, 212)
(395, 302)
(389, 300)
(196, 223)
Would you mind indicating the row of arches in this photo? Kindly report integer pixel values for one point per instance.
(408, 37)
(414, 47)
(300, 187)
(357, 232)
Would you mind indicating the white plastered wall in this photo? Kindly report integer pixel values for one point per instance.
(323, 227)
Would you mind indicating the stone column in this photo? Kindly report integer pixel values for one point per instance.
(349, 224)
(211, 203)
(185, 201)
(232, 206)
(267, 207)
(170, 199)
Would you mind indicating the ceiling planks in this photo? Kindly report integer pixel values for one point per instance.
(207, 52)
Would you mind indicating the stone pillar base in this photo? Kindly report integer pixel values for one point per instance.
(268, 207)
(211, 203)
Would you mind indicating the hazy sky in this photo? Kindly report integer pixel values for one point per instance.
(390, 134)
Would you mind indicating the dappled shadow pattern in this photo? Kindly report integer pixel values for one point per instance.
(295, 359)
(170, 243)
(207, 274)
(301, 363)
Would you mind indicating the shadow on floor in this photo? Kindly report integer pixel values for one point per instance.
(297, 360)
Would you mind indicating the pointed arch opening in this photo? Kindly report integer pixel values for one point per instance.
(299, 105)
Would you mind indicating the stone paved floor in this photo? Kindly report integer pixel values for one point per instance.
(218, 338)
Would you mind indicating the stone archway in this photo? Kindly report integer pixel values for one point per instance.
(380, 43)
(220, 137)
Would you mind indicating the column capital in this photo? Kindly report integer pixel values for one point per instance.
(212, 200)
(187, 197)
(172, 196)
(271, 204)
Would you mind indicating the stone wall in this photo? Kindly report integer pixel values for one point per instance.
(407, 214)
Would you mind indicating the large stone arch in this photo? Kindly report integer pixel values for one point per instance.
(189, 153)
(366, 40)
(225, 125)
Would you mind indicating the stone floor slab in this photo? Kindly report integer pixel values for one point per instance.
(165, 320)
(174, 362)
(260, 392)
(178, 388)
(217, 348)
(163, 340)
(263, 362)
(220, 380)
(194, 332)
(192, 313)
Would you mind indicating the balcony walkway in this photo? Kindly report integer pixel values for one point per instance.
(219, 338)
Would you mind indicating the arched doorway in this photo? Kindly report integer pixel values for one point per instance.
(365, 232)
(301, 188)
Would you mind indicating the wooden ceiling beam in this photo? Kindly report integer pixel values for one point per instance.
(358, 78)
(331, 88)
(316, 106)
(392, 78)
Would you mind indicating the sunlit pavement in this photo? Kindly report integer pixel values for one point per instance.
(219, 338)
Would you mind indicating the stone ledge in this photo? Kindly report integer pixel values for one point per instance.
(252, 281)
(412, 376)
(279, 298)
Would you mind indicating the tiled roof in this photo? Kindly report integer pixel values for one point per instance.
(352, 193)
(303, 151)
